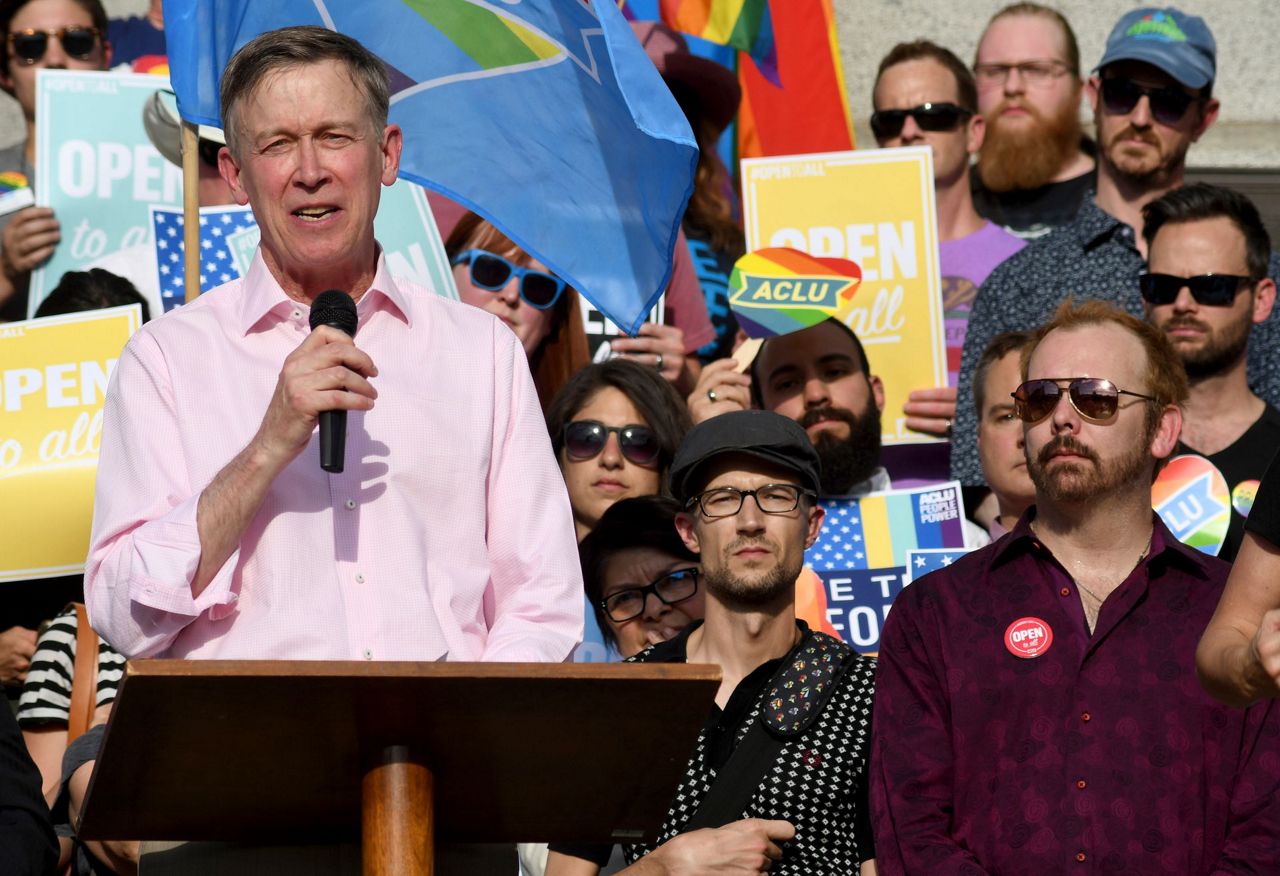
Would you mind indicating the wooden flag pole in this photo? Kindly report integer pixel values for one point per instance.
(191, 209)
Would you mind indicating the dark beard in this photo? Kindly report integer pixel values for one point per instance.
(1091, 479)
(846, 461)
(751, 593)
(1012, 160)
(1222, 349)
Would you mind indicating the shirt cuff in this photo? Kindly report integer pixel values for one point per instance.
(166, 556)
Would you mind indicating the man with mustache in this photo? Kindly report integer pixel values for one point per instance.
(1035, 166)
(1152, 98)
(1037, 707)
(789, 728)
(1206, 286)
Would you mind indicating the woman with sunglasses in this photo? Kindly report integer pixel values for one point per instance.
(615, 428)
(38, 35)
(494, 274)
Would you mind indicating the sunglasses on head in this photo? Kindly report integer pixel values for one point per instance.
(491, 272)
(928, 116)
(30, 45)
(1168, 104)
(1092, 397)
(585, 439)
(1211, 290)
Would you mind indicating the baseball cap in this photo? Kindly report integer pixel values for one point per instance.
(761, 434)
(1169, 39)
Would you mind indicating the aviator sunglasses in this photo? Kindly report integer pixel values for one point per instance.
(1210, 290)
(1093, 397)
(585, 439)
(1168, 104)
(491, 272)
(928, 116)
(30, 45)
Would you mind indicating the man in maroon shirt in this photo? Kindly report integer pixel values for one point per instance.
(1037, 708)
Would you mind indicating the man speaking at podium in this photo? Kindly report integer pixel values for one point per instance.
(216, 534)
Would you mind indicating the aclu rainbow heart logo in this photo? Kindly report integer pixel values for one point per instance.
(1243, 495)
(1192, 499)
(779, 290)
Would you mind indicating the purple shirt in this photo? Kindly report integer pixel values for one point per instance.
(1098, 755)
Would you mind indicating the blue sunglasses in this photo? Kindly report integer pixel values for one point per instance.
(492, 272)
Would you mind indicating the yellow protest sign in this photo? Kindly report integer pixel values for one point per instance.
(874, 208)
(53, 377)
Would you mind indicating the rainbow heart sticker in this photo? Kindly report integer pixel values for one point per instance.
(1243, 495)
(11, 181)
(1192, 499)
(779, 290)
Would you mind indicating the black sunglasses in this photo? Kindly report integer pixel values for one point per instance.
(1093, 397)
(30, 45)
(929, 116)
(585, 439)
(1211, 290)
(623, 605)
(1168, 104)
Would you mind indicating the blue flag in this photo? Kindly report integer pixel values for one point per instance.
(544, 116)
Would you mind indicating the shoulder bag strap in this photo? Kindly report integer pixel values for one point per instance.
(84, 683)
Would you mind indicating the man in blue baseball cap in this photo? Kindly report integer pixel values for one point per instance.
(1152, 96)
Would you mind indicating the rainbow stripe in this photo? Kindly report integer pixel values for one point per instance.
(11, 181)
(490, 40)
(746, 25)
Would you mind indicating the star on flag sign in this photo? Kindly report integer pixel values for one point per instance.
(226, 235)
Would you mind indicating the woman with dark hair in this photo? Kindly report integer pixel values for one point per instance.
(494, 274)
(615, 427)
(641, 579)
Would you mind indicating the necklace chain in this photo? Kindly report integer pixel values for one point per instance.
(1142, 556)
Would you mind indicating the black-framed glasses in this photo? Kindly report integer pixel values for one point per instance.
(671, 588)
(1168, 104)
(1034, 73)
(1093, 397)
(1211, 290)
(928, 116)
(771, 499)
(491, 272)
(585, 439)
(77, 41)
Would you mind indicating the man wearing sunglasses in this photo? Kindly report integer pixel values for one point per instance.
(38, 35)
(925, 96)
(1205, 287)
(789, 728)
(1038, 698)
(1152, 99)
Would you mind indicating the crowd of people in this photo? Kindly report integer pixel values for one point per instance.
(1082, 691)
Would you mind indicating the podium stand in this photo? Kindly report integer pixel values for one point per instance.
(398, 754)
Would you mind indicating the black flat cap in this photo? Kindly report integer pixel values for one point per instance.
(762, 434)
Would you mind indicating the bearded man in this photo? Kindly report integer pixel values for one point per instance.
(1038, 697)
(1035, 166)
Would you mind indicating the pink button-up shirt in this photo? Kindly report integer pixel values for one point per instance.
(449, 534)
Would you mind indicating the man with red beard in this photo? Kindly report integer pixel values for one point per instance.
(1206, 285)
(1036, 166)
(1037, 707)
(1152, 98)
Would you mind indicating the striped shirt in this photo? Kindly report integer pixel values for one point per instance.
(46, 695)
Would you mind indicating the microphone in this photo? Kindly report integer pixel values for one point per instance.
(334, 308)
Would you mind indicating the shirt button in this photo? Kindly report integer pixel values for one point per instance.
(1081, 784)
(368, 654)
(359, 579)
(297, 314)
(1080, 856)
(351, 504)
(1064, 592)
(1086, 717)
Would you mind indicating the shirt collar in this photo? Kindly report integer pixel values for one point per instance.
(1094, 225)
(261, 295)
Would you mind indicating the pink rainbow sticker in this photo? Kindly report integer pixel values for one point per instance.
(1192, 498)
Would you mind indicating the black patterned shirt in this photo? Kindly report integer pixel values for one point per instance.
(1095, 256)
(818, 782)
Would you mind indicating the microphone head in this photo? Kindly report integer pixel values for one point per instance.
(334, 308)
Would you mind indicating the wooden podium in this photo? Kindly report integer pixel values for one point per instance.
(398, 754)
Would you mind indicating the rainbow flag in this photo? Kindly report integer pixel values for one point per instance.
(747, 25)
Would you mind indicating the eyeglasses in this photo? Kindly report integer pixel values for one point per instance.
(671, 588)
(491, 272)
(929, 116)
(1034, 73)
(1093, 397)
(585, 439)
(1211, 290)
(1168, 104)
(771, 499)
(30, 45)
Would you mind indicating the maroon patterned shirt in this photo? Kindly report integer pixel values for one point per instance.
(1008, 740)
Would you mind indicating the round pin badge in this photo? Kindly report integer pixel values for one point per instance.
(1242, 497)
(1028, 637)
(1192, 498)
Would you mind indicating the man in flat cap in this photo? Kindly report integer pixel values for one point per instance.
(777, 780)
